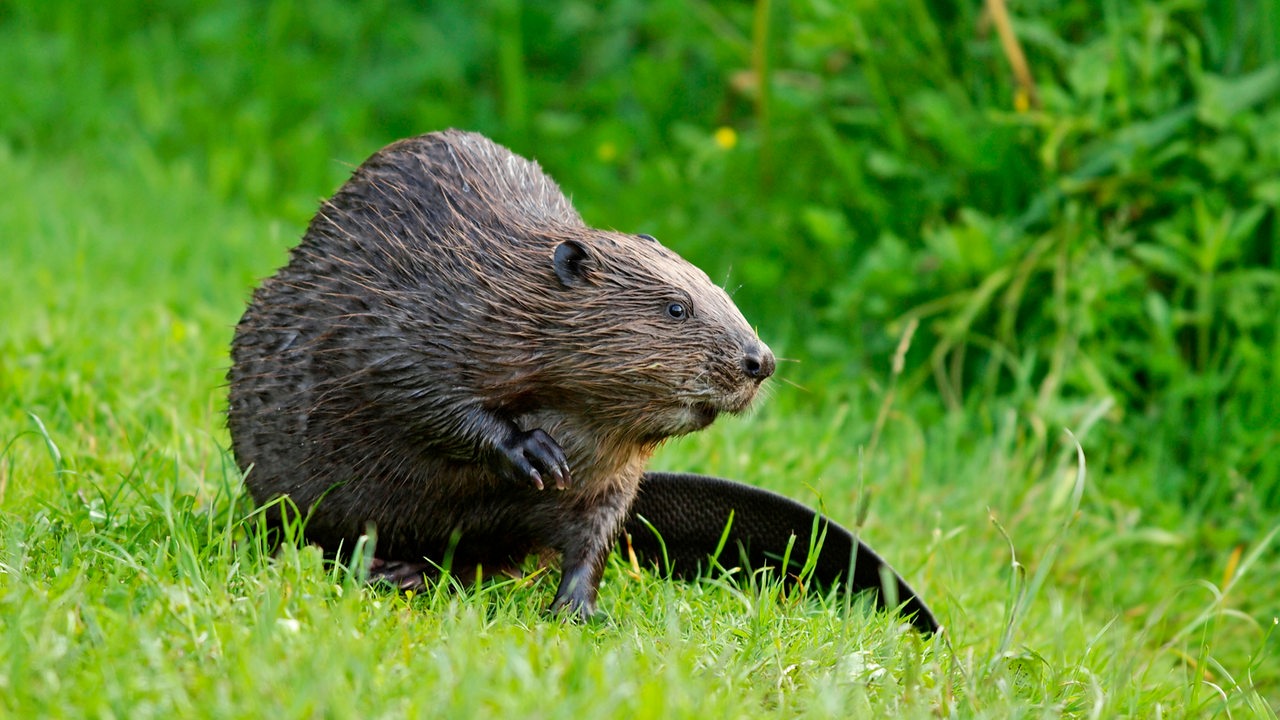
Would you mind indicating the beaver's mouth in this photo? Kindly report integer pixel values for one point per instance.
(696, 413)
(704, 413)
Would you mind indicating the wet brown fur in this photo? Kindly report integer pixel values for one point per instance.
(424, 315)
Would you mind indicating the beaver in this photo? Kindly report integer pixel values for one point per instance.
(454, 359)
(449, 339)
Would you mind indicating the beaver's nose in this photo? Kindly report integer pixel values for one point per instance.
(758, 362)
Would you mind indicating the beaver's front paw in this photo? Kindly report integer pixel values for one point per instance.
(528, 456)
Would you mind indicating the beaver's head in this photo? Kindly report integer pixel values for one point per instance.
(642, 336)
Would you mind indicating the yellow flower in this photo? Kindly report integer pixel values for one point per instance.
(607, 151)
(726, 138)
(1021, 102)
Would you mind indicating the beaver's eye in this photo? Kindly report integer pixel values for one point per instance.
(677, 310)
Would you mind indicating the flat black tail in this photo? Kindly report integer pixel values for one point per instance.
(690, 512)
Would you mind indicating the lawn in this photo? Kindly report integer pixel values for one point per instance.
(156, 164)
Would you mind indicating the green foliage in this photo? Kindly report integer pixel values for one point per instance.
(859, 173)
(875, 163)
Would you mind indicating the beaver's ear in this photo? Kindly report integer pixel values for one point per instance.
(574, 264)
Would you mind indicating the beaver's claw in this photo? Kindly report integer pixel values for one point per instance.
(530, 455)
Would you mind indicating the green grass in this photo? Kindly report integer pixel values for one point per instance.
(131, 588)
(151, 174)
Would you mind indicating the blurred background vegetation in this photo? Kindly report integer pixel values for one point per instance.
(1092, 244)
